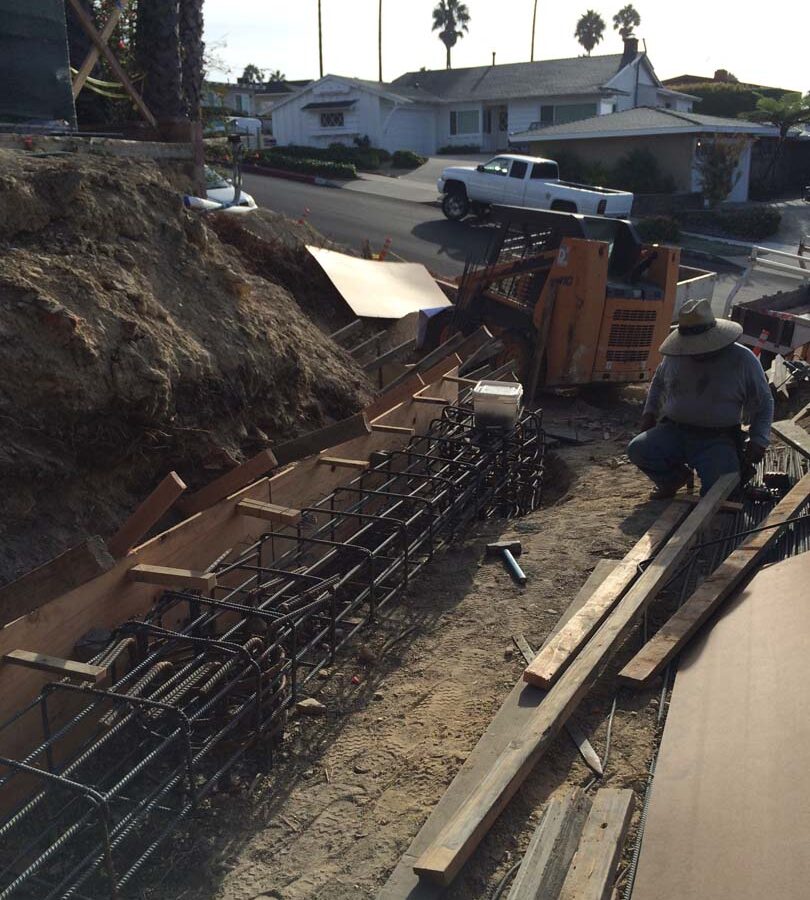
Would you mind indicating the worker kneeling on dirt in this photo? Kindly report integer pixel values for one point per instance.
(700, 391)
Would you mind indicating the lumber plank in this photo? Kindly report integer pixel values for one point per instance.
(93, 53)
(681, 627)
(392, 355)
(270, 512)
(793, 435)
(725, 506)
(343, 462)
(168, 576)
(65, 572)
(552, 847)
(338, 433)
(421, 398)
(54, 665)
(515, 712)
(347, 331)
(251, 470)
(443, 858)
(593, 870)
(147, 515)
(551, 661)
(392, 429)
(440, 353)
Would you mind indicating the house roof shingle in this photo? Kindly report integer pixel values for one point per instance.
(577, 75)
(642, 120)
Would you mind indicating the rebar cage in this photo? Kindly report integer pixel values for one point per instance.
(202, 681)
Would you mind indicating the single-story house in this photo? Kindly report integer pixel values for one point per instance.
(478, 106)
(675, 137)
(247, 98)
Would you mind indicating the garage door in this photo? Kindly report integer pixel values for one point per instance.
(411, 129)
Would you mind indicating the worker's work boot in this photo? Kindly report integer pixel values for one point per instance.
(668, 489)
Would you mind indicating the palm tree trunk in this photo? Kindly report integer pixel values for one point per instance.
(320, 39)
(448, 58)
(191, 49)
(158, 54)
(379, 37)
(534, 23)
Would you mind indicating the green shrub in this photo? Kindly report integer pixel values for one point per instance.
(756, 222)
(572, 167)
(450, 149)
(407, 159)
(638, 171)
(727, 99)
(659, 230)
(323, 168)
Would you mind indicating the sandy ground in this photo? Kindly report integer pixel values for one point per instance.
(351, 790)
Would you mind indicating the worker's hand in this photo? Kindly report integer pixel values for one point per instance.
(648, 421)
(754, 453)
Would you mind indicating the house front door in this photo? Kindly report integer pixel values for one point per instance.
(496, 128)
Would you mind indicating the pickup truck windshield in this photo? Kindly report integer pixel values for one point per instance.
(497, 166)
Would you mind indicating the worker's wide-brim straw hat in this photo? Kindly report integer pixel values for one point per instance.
(698, 331)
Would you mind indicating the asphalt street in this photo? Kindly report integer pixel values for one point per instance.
(419, 232)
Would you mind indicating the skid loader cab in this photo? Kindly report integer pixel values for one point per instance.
(576, 299)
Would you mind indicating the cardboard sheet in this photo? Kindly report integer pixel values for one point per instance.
(729, 817)
(380, 290)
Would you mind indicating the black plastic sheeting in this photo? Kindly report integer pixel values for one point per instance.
(35, 84)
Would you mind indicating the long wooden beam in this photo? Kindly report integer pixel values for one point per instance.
(793, 435)
(676, 633)
(550, 662)
(146, 515)
(65, 572)
(229, 483)
(446, 854)
(87, 24)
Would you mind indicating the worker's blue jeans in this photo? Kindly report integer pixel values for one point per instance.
(662, 452)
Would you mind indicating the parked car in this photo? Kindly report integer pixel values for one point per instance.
(221, 190)
(513, 180)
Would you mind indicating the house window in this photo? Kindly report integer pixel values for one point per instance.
(546, 115)
(518, 169)
(331, 120)
(464, 122)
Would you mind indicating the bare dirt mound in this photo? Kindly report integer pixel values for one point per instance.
(133, 341)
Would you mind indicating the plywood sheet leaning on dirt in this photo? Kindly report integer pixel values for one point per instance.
(452, 847)
(793, 435)
(403, 883)
(729, 817)
(378, 290)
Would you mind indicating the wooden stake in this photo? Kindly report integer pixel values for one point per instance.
(448, 851)
(346, 463)
(229, 483)
(679, 630)
(184, 579)
(330, 436)
(269, 511)
(146, 515)
(55, 666)
(92, 57)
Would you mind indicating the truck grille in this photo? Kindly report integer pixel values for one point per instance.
(631, 335)
(628, 356)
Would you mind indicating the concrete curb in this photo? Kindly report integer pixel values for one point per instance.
(290, 176)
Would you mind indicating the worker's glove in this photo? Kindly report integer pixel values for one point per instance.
(753, 453)
(648, 421)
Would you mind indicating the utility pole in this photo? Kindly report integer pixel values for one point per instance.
(320, 39)
(379, 37)
(534, 22)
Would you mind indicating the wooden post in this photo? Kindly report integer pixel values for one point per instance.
(92, 57)
(146, 515)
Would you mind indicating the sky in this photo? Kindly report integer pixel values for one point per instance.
(689, 36)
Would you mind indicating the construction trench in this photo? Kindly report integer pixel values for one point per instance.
(312, 684)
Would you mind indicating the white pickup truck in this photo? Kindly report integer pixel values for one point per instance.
(512, 180)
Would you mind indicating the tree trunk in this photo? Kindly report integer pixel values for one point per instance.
(191, 50)
(379, 37)
(534, 24)
(448, 57)
(320, 40)
(158, 55)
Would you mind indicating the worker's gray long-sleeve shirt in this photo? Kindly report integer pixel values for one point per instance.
(716, 392)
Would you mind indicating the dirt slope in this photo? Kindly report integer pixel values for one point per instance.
(133, 341)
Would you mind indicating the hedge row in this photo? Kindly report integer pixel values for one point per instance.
(637, 171)
(659, 230)
(271, 159)
(754, 223)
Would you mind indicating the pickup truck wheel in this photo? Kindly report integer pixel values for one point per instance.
(455, 205)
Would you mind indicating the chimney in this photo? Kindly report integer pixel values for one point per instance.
(630, 51)
(493, 57)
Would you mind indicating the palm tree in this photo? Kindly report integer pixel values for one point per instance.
(626, 20)
(277, 75)
(158, 56)
(450, 19)
(785, 113)
(534, 23)
(252, 74)
(192, 51)
(590, 29)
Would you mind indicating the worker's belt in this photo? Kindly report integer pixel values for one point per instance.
(732, 431)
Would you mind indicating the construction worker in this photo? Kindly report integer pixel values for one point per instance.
(698, 396)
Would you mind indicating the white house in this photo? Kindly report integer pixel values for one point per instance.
(477, 106)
